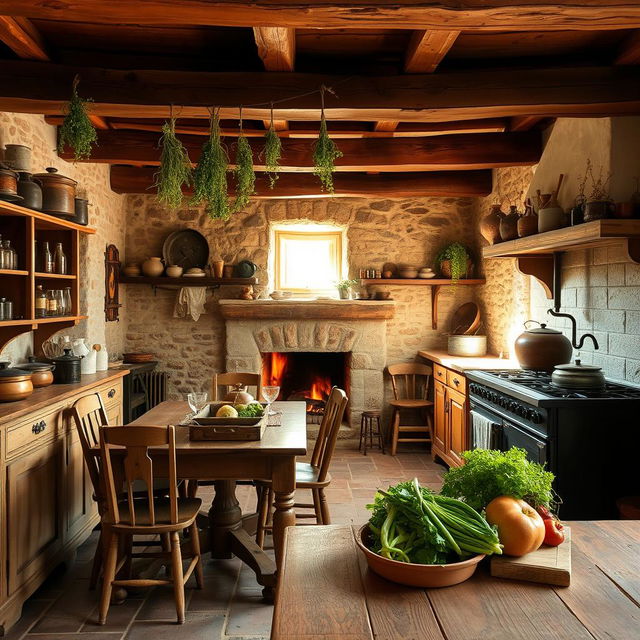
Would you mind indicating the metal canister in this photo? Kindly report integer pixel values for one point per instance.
(7, 312)
(67, 369)
(58, 193)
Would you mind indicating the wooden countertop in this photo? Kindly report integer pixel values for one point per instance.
(461, 364)
(45, 396)
(323, 566)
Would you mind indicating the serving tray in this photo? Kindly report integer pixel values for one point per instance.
(206, 426)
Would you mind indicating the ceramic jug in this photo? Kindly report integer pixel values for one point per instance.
(490, 224)
(153, 267)
(509, 224)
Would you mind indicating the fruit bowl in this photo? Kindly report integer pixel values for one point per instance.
(417, 575)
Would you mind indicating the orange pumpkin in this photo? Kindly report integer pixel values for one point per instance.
(520, 527)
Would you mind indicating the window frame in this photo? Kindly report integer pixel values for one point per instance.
(334, 235)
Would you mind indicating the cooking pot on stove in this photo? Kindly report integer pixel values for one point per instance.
(542, 348)
(578, 376)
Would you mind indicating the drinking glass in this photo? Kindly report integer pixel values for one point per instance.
(197, 401)
(270, 394)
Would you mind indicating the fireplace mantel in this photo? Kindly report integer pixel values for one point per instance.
(307, 309)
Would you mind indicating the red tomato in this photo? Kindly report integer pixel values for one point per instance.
(553, 532)
(545, 514)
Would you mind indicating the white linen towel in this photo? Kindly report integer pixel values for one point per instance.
(190, 302)
(480, 431)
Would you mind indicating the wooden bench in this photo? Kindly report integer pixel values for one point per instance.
(326, 592)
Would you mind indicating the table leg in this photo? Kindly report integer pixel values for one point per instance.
(225, 516)
(284, 486)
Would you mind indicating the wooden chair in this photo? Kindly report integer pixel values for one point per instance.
(145, 515)
(314, 475)
(228, 380)
(410, 382)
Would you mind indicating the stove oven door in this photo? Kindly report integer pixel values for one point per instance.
(513, 436)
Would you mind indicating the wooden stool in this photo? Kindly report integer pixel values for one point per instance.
(366, 429)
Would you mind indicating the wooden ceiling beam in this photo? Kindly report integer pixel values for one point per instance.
(426, 50)
(467, 151)
(478, 15)
(385, 185)
(22, 38)
(36, 87)
(524, 123)
(276, 47)
(386, 125)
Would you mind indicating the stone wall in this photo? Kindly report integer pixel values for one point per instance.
(401, 231)
(106, 213)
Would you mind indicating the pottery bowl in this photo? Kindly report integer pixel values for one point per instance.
(408, 272)
(417, 575)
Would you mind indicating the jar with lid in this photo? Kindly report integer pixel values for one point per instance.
(60, 260)
(40, 302)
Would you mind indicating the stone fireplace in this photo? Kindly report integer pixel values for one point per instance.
(354, 329)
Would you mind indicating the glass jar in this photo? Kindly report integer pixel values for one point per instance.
(41, 302)
(52, 303)
(60, 260)
(47, 259)
(9, 258)
(68, 302)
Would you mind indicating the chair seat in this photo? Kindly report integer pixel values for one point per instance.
(306, 477)
(410, 404)
(188, 509)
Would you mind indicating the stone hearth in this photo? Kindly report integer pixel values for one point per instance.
(355, 327)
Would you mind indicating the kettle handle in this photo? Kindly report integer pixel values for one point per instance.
(528, 321)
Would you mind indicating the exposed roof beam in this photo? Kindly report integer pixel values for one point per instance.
(524, 123)
(427, 49)
(467, 151)
(480, 15)
(629, 52)
(384, 185)
(36, 87)
(276, 47)
(22, 38)
(386, 125)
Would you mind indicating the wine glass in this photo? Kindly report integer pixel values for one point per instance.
(270, 394)
(197, 401)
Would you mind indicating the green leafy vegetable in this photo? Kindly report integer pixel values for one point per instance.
(252, 410)
(412, 524)
(77, 130)
(488, 474)
(175, 167)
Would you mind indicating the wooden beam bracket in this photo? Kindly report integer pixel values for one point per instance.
(541, 268)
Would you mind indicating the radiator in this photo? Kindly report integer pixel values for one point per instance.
(154, 385)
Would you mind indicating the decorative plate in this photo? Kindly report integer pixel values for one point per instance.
(187, 248)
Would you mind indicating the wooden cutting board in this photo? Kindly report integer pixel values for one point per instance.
(548, 565)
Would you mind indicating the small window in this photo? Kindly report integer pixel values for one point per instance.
(308, 259)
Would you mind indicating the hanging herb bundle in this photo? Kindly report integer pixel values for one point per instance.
(244, 173)
(325, 152)
(210, 180)
(175, 167)
(77, 131)
(272, 153)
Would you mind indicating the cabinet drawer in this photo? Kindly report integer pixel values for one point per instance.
(440, 373)
(111, 393)
(39, 427)
(456, 381)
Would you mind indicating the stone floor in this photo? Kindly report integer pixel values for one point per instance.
(230, 607)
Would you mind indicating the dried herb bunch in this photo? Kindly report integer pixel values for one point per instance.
(175, 167)
(77, 131)
(272, 153)
(244, 173)
(210, 180)
(599, 186)
(325, 152)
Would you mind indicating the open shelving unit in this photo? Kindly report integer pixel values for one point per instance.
(535, 254)
(165, 282)
(24, 227)
(435, 283)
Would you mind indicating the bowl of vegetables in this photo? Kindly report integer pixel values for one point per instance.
(419, 538)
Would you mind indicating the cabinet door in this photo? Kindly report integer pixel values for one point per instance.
(440, 417)
(457, 411)
(114, 415)
(79, 507)
(34, 495)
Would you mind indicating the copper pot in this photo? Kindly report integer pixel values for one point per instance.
(15, 384)
(8, 182)
(541, 349)
(41, 372)
(58, 193)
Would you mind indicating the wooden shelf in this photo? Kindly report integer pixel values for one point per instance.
(42, 220)
(429, 282)
(435, 283)
(13, 272)
(163, 281)
(583, 236)
(51, 319)
(55, 276)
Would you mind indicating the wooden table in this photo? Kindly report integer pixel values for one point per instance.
(225, 462)
(326, 591)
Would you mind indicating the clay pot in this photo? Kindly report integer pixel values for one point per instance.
(528, 222)
(15, 384)
(131, 270)
(58, 193)
(153, 267)
(490, 224)
(509, 225)
(598, 210)
(41, 372)
(218, 268)
(445, 269)
(550, 218)
(174, 271)
(541, 349)
(239, 395)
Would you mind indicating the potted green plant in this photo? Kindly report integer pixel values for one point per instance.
(344, 288)
(453, 261)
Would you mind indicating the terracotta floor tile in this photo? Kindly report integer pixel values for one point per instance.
(119, 618)
(160, 604)
(31, 613)
(197, 626)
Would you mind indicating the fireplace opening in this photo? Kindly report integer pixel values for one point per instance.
(307, 376)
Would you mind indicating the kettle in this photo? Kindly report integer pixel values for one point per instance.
(542, 348)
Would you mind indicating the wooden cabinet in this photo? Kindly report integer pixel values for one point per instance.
(46, 497)
(450, 419)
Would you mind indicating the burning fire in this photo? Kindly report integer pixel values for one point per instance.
(274, 367)
(320, 388)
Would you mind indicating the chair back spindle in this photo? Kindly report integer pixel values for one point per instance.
(328, 433)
